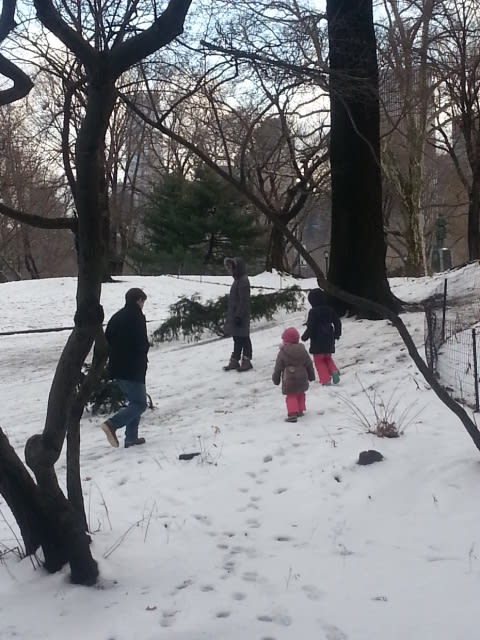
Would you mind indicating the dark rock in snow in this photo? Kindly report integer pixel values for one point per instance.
(188, 456)
(369, 457)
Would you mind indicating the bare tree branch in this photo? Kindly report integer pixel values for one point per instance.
(319, 75)
(22, 84)
(165, 28)
(38, 221)
(51, 18)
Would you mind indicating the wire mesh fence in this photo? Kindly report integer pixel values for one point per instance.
(452, 336)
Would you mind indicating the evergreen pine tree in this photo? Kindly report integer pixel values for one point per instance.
(191, 319)
(191, 225)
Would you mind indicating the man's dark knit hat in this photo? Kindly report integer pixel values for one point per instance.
(134, 295)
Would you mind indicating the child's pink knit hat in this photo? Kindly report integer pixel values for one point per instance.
(290, 335)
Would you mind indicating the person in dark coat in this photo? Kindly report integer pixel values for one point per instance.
(126, 334)
(238, 316)
(295, 368)
(323, 328)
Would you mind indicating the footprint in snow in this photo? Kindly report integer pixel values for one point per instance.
(250, 576)
(238, 549)
(334, 633)
(229, 566)
(281, 619)
(253, 523)
(312, 592)
(168, 618)
(184, 585)
(206, 588)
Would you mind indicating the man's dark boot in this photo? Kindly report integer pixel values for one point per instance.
(133, 443)
(233, 364)
(109, 431)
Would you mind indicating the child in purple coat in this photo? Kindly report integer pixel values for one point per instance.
(294, 368)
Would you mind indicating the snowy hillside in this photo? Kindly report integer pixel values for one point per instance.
(273, 532)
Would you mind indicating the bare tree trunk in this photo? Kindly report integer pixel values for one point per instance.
(474, 217)
(60, 523)
(409, 75)
(74, 482)
(18, 490)
(42, 452)
(22, 83)
(358, 248)
(28, 257)
(276, 251)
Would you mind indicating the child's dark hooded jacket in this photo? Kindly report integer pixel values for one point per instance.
(323, 324)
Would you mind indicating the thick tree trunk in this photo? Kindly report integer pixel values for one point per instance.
(474, 218)
(276, 251)
(18, 490)
(39, 517)
(358, 247)
(70, 542)
(74, 481)
(44, 514)
(42, 451)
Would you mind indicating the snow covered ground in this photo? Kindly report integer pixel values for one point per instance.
(273, 532)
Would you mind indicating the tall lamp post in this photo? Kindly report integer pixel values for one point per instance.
(326, 256)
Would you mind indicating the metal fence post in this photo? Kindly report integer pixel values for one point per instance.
(444, 308)
(475, 367)
(430, 351)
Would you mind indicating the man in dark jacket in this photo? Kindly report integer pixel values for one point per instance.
(323, 328)
(128, 344)
(238, 316)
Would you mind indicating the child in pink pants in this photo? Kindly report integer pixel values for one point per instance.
(323, 328)
(294, 368)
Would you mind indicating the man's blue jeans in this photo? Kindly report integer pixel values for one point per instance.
(129, 416)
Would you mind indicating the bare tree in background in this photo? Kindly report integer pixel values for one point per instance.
(106, 41)
(59, 101)
(21, 84)
(455, 59)
(293, 43)
(358, 247)
(272, 141)
(126, 159)
(407, 99)
(27, 183)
